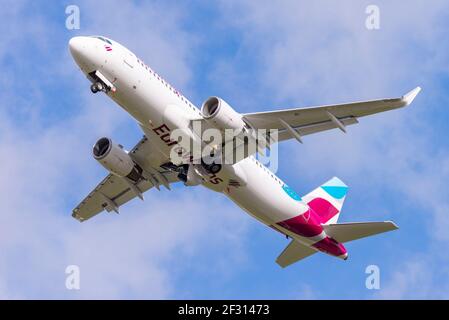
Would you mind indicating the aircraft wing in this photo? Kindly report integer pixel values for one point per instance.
(114, 191)
(295, 123)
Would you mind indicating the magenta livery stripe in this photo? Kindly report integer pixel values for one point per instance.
(323, 208)
(304, 225)
(330, 246)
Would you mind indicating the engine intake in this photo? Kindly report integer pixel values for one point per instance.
(115, 159)
(221, 114)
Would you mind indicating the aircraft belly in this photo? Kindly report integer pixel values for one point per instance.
(138, 106)
(263, 196)
(149, 110)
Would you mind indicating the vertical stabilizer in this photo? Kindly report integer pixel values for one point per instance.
(327, 200)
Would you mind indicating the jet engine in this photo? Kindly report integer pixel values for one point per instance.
(115, 159)
(221, 115)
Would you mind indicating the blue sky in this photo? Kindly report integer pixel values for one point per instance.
(191, 243)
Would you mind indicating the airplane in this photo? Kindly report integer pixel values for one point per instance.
(310, 221)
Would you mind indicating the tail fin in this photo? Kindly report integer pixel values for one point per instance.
(327, 200)
(346, 232)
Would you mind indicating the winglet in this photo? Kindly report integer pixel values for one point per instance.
(393, 225)
(409, 97)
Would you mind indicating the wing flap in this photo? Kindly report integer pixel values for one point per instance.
(312, 128)
(294, 252)
(113, 188)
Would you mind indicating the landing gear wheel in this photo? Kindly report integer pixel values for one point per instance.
(214, 168)
(93, 88)
(97, 86)
(182, 177)
(100, 86)
(183, 170)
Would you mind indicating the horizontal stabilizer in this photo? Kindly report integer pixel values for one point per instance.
(345, 232)
(295, 251)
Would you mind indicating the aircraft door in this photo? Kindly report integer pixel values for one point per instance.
(129, 59)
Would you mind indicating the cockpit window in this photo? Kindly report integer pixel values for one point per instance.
(103, 39)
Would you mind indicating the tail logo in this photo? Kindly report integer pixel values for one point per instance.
(335, 188)
(327, 200)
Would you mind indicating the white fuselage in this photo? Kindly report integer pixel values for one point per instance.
(159, 109)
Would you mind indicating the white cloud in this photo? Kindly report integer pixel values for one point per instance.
(414, 279)
(153, 30)
(46, 167)
(320, 53)
(306, 292)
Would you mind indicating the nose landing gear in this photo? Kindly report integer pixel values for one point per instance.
(100, 83)
(97, 86)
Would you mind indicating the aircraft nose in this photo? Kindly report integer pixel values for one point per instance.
(76, 46)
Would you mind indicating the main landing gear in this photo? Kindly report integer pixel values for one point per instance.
(212, 168)
(183, 170)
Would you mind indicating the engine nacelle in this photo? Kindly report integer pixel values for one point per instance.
(115, 159)
(221, 115)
